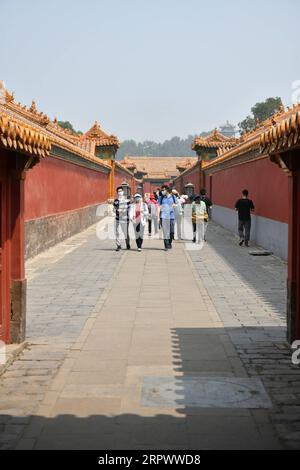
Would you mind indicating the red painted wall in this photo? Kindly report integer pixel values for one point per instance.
(266, 182)
(207, 184)
(55, 186)
(147, 188)
(189, 177)
(121, 177)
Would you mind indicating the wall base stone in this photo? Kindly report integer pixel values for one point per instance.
(267, 233)
(18, 311)
(42, 233)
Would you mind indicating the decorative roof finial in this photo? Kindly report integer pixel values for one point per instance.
(33, 107)
(9, 97)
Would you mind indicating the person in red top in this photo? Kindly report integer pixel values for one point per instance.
(138, 215)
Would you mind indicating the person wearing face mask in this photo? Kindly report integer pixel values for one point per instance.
(167, 216)
(121, 209)
(138, 215)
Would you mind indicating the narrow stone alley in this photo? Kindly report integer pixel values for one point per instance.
(155, 350)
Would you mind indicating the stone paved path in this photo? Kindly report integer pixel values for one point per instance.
(249, 294)
(64, 283)
(145, 350)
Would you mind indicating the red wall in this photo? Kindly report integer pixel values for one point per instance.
(55, 186)
(189, 177)
(121, 177)
(266, 182)
(147, 187)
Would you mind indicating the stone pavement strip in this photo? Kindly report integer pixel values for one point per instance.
(64, 284)
(153, 350)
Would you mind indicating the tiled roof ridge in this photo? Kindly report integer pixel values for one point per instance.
(32, 114)
(41, 123)
(253, 139)
(283, 133)
(185, 164)
(20, 136)
(98, 135)
(214, 140)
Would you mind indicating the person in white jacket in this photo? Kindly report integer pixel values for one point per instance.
(138, 215)
(178, 212)
(199, 215)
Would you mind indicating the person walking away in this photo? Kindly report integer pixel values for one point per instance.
(178, 211)
(167, 216)
(199, 212)
(208, 203)
(138, 215)
(121, 209)
(244, 207)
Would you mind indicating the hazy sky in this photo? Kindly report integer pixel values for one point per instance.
(149, 69)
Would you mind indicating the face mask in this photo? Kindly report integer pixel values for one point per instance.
(164, 192)
(137, 199)
(120, 193)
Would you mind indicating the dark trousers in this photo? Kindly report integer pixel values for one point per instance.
(152, 223)
(168, 231)
(199, 229)
(139, 234)
(244, 229)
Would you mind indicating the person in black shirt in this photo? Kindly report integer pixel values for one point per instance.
(244, 207)
(121, 208)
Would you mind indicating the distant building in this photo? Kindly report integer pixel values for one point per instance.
(228, 129)
(207, 147)
(152, 172)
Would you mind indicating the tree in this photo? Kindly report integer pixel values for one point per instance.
(266, 109)
(174, 147)
(69, 126)
(260, 112)
(247, 124)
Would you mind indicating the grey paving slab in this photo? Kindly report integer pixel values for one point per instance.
(64, 285)
(204, 392)
(210, 323)
(253, 310)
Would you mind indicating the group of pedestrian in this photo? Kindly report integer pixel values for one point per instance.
(162, 210)
(165, 210)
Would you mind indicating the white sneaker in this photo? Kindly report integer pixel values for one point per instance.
(139, 249)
